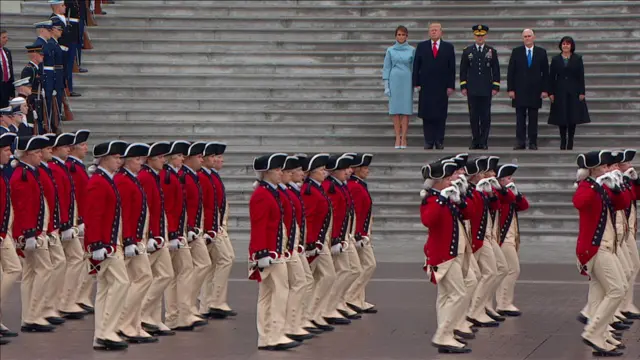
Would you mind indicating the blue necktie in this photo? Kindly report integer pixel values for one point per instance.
(529, 57)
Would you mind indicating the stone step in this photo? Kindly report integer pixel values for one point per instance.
(182, 92)
(310, 116)
(457, 102)
(96, 77)
(222, 9)
(460, 128)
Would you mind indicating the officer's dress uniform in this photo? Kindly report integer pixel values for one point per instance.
(363, 208)
(59, 57)
(210, 218)
(267, 249)
(10, 266)
(72, 38)
(595, 250)
(319, 220)
(628, 307)
(34, 72)
(479, 75)
(159, 257)
(49, 51)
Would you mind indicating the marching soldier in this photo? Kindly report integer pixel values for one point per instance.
(34, 72)
(10, 267)
(28, 200)
(628, 308)
(225, 255)
(267, 254)
(364, 217)
(135, 225)
(597, 197)
(513, 202)
(479, 82)
(103, 240)
(157, 246)
(78, 171)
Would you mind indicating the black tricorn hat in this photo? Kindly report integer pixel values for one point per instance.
(159, 148)
(506, 170)
(439, 170)
(81, 136)
(362, 160)
(339, 162)
(314, 162)
(269, 162)
(474, 166)
(30, 143)
(214, 148)
(492, 163)
(136, 150)
(179, 147)
(7, 139)
(64, 139)
(594, 159)
(629, 154)
(291, 162)
(196, 148)
(116, 147)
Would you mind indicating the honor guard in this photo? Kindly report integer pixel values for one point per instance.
(69, 39)
(24, 89)
(268, 253)
(194, 197)
(73, 39)
(10, 266)
(363, 208)
(157, 243)
(135, 225)
(49, 46)
(597, 198)
(479, 82)
(630, 178)
(178, 294)
(34, 72)
(441, 211)
(20, 109)
(60, 76)
(28, 200)
(78, 171)
(225, 255)
(103, 241)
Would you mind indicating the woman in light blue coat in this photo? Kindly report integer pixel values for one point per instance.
(396, 73)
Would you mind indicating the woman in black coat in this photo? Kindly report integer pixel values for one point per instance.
(567, 93)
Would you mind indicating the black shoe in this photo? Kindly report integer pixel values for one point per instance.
(199, 323)
(618, 325)
(104, 344)
(370, 311)
(617, 337)
(350, 317)
(55, 320)
(162, 333)
(149, 327)
(464, 335)
(323, 327)
(217, 314)
(483, 324)
(314, 330)
(300, 338)
(509, 313)
(630, 315)
(533, 147)
(484, 147)
(439, 146)
(231, 313)
(582, 319)
(83, 70)
(494, 316)
(37, 328)
(74, 94)
(73, 315)
(183, 328)
(4, 341)
(428, 146)
(355, 308)
(446, 349)
(87, 308)
(616, 333)
(598, 351)
(337, 321)
(519, 147)
(8, 333)
(281, 347)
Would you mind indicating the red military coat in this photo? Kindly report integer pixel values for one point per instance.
(27, 198)
(5, 207)
(134, 207)
(51, 195)
(298, 206)
(80, 181)
(289, 216)
(103, 212)
(594, 203)
(510, 205)
(174, 201)
(66, 193)
(634, 195)
(194, 197)
(221, 198)
(480, 205)
(363, 206)
(209, 201)
(317, 212)
(150, 181)
(339, 206)
(267, 222)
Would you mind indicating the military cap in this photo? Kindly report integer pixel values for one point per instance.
(339, 162)
(594, 159)
(492, 163)
(22, 82)
(616, 157)
(506, 170)
(7, 139)
(196, 148)
(136, 150)
(51, 137)
(439, 170)
(56, 2)
(115, 147)
(291, 162)
(15, 110)
(269, 162)
(480, 30)
(17, 101)
(64, 139)
(316, 161)
(362, 160)
(629, 154)
(81, 136)
(214, 148)
(159, 148)
(58, 23)
(48, 24)
(34, 48)
(30, 143)
(7, 111)
(179, 147)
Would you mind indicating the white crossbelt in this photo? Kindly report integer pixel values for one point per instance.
(50, 68)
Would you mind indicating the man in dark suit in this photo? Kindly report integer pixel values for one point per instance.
(527, 81)
(7, 91)
(434, 74)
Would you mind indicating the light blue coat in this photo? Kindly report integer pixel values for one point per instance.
(398, 65)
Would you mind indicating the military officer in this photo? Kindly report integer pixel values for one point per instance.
(49, 50)
(631, 180)
(135, 225)
(19, 115)
(157, 246)
(479, 82)
(69, 39)
(60, 76)
(10, 267)
(267, 253)
(34, 72)
(74, 36)
(28, 200)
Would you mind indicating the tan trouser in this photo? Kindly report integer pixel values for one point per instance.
(502, 268)
(356, 293)
(504, 294)
(36, 274)
(307, 297)
(450, 303)
(272, 305)
(74, 276)
(111, 294)
(140, 278)
(470, 284)
(178, 293)
(56, 281)
(487, 263)
(606, 290)
(162, 271)
(356, 272)
(346, 274)
(634, 257)
(201, 266)
(10, 269)
(298, 288)
(324, 276)
(214, 289)
(85, 293)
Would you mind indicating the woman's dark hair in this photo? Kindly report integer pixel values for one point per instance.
(403, 29)
(568, 39)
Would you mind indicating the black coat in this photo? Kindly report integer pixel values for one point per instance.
(10, 67)
(566, 84)
(434, 76)
(528, 82)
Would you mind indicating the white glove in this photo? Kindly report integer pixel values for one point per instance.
(191, 236)
(30, 244)
(617, 176)
(336, 249)
(54, 93)
(511, 186)
(387, 92)
(81, 230)
(494, 182)
(314, 252)
(452, 193)
(631, 174)
(174, 244)
(606, 179)
(465, 184)
(264, 262)
(99, 255)
(152, 245)
(208, 238)
(67, 235)
(131, 250)
(484, 185)
(360, 243)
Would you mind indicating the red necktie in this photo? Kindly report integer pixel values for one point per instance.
(435, 50)
(5, 67)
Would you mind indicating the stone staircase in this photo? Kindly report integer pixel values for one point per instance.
(306, 76)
